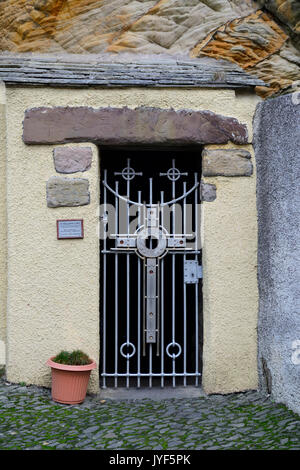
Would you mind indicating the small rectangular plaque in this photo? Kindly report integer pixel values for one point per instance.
(69, 228)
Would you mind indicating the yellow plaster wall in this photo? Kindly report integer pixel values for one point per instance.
(230, 293)
(3, 266)
(53, 286)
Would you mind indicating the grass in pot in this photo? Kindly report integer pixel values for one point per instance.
(70, 376)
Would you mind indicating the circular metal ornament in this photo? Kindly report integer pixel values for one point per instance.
(174, 344)
(156, 234)
(173, 174)
(127, 356)
(128, 173)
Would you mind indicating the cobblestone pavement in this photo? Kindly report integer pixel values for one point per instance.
(29, 419)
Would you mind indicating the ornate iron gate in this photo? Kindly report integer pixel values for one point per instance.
(151, 312)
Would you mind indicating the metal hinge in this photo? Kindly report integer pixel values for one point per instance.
(192, 272)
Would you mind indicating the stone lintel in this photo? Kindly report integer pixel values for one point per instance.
(124, 126)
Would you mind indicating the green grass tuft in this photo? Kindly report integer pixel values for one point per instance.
(74, 358)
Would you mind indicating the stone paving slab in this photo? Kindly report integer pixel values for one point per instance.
(29, 419)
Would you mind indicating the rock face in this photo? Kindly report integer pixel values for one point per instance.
(236, 30)
(276, 142)
(96, 26)
(245, 41)
(287, 11)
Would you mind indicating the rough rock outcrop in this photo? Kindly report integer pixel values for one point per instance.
(237, 30)
(245, 41)
(287, 11)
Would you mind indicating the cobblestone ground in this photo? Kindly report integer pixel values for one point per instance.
(29, 419)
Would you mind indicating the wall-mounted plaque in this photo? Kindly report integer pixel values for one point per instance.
(69, 228)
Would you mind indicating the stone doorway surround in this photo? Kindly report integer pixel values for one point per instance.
(54, 309)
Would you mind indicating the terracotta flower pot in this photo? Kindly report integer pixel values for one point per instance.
(69, 383)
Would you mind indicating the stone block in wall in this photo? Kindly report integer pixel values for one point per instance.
(208, 192)
(226, 162)
(72, 159)
(67, 192)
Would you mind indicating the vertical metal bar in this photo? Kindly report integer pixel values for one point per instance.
(158, 308)
(150, 364)
(116, 286)
(196, 286)
(184, 291)
(151, 286)
(173, 277)
(173, 314)
(162, 382)
(196, 214)
(104, 289)
(197, 335)
(150, 202)
(144, 309)
(173, 197)
(139, 302)
(150, 190)
(150, 345)
(128, 281)
(162, 323)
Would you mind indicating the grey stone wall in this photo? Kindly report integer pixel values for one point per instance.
(277, 148)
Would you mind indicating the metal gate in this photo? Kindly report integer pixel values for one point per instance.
(151, 267)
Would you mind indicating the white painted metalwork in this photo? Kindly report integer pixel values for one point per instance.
(127, 355)
(192, 272)
(173, 355)
(129, 201)
(145, 327)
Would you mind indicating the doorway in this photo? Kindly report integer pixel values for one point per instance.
(151, 276)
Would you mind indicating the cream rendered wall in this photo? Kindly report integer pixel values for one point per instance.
(3, 265)
(53, 286)
(230, 292)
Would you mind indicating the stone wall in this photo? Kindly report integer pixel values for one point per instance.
(277, 143)
(260, 36)
(3, 247)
